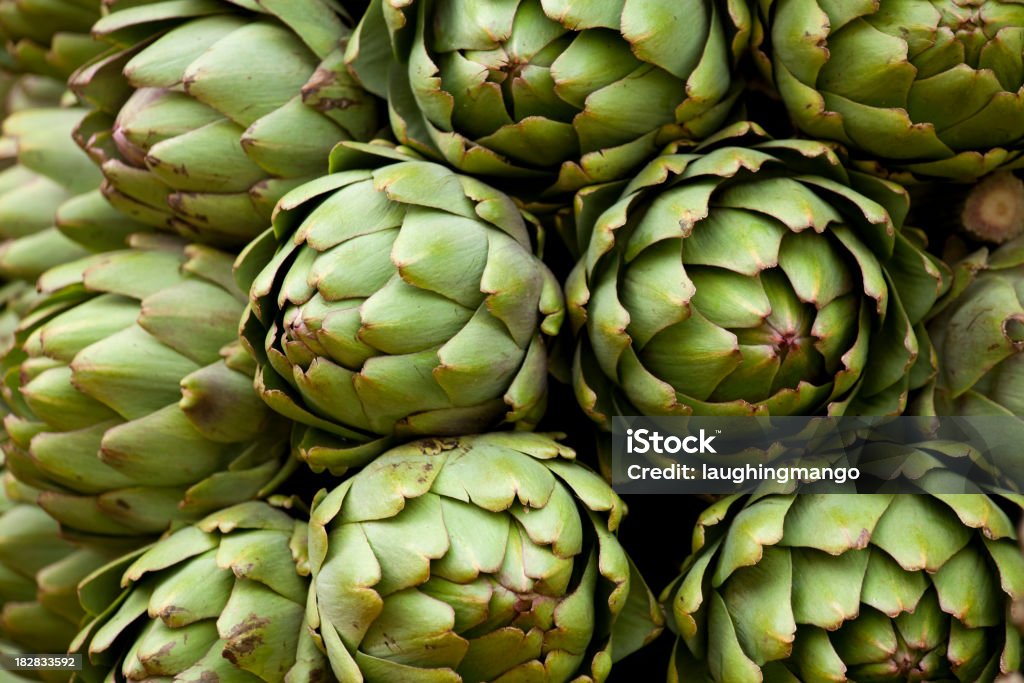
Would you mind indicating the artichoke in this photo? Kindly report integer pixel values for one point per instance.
(547, 92)
(16, 299)
(404, 300)
(50, 173)
(26, 91)
(39, 576)
(133, 402)
(759, 279)
(182, 146)
(929, 88)
(978, 333)
(219, 601)
(8, 650)
(49, 37)
(30, 542)
(848, 588)
(482, 558)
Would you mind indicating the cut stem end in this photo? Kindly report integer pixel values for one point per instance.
(994, 211)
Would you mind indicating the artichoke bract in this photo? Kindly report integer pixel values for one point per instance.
(979, 337)
(482, 558)
(183, 143)
(16, 299)
(848, 588)
(26, 91)
(132, 400)
(39, 576)
(223, 600)
(758, 279)
(51, 175)
(8, 650)
(51, 38)
(404, 300)
(562, 94)
(30, 541)
(49, 169)
(926, 88)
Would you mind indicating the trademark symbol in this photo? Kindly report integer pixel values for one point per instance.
(718, 431)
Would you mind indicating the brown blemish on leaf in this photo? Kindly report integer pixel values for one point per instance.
(245, 638)
(321, 80)
(176, 169)
(162, 652)
(243, 570)
(329, 103)
(437, 446)
(168, 612)
(110, 456)
(176, 202)
(523, 604)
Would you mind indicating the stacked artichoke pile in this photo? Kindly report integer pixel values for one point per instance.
(316, 315)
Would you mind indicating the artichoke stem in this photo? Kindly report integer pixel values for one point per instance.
(994, 211)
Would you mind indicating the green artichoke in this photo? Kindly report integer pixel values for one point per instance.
(556, 95)
(183, 144)
(930, 88)
(26, 91)
(39, 576)
(223, 600)
(978, 333)
(6, 676)
(483, 558)
(51, 172)
(749, 276)
(404, 300)
(49, 37)
(848, 588)
(133, 402)
(29, 543)
(16, 299)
